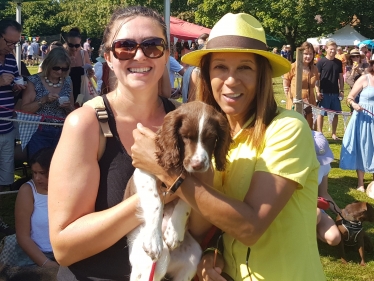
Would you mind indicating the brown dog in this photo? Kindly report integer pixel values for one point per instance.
(350, 227)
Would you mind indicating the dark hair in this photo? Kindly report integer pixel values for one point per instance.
(43, 157)
(204, 36)
(263, 108)
(185, 45)
(55, 56)
(74, 32)
(122, 15)
(5, 23)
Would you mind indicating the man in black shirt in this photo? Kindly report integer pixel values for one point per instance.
(330, 88)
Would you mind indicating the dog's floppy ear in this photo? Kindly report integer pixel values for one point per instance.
(168, 143)
(223, 142)
(356, 211)
(369, 212)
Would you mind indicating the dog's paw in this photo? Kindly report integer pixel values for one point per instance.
(171, 238)
(153, 245)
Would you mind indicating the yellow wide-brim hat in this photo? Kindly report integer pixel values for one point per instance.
(239, 33)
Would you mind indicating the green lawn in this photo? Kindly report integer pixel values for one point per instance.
(341, 187)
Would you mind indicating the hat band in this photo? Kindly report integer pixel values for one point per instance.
(235, 41)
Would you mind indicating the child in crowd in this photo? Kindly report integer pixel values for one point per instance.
(31, 214)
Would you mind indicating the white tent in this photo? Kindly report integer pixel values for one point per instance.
(346, 36)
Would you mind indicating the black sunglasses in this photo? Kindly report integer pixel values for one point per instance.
(71, 45)
(10, 44)
(355, 57)
(57, 68)
(125, 49)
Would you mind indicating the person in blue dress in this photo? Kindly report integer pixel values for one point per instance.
(358, 142)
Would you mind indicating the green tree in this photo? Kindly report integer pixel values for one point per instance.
(292, 20)
(38, 17)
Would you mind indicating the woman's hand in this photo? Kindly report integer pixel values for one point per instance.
(356, 106)
(66, 105)
(49, 98)
(6, 79)
(207, 271)
(143, 153)
(17, 88)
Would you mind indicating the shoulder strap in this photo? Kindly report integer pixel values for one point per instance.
(97, 103)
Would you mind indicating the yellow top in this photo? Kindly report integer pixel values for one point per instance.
(288, 249)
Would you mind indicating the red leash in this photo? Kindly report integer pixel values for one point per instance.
(152, 275)
(368, 111)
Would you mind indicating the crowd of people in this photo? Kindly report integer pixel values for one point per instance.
(272, 168)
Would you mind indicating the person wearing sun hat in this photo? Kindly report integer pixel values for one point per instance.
(265, 200)
(43, 50)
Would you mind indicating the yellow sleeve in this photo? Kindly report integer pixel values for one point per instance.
(288, 148)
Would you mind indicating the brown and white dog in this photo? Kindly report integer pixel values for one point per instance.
(188, 139)
(351, 230)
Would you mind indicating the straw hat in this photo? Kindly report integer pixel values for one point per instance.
(239, 33)
(355, 52)
(44, 42)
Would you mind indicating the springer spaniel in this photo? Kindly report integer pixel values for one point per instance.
(187, 140)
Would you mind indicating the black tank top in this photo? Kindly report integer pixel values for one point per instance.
(116, 169)
(76, 73)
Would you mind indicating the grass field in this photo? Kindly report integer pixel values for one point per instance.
(341, 187)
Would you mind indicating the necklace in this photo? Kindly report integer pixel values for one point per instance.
(54, 85)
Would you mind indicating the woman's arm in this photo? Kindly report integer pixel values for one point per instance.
(245, 220)
(90, 72)
(77, 231)
(357, 88)
(286, 86)
(29, 104)
(24, 208)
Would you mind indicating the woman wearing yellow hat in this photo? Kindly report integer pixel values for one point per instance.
(265, 201)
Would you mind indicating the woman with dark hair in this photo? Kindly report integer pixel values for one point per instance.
(309, 80)
(31, 214)
(265, 200)
(49, 93)
(79, 58)
(89, 219)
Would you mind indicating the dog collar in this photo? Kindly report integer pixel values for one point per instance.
(177, 183)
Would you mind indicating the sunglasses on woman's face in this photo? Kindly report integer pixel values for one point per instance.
(71, 45)
(57, 68)
(125, 49)
(355, 57)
